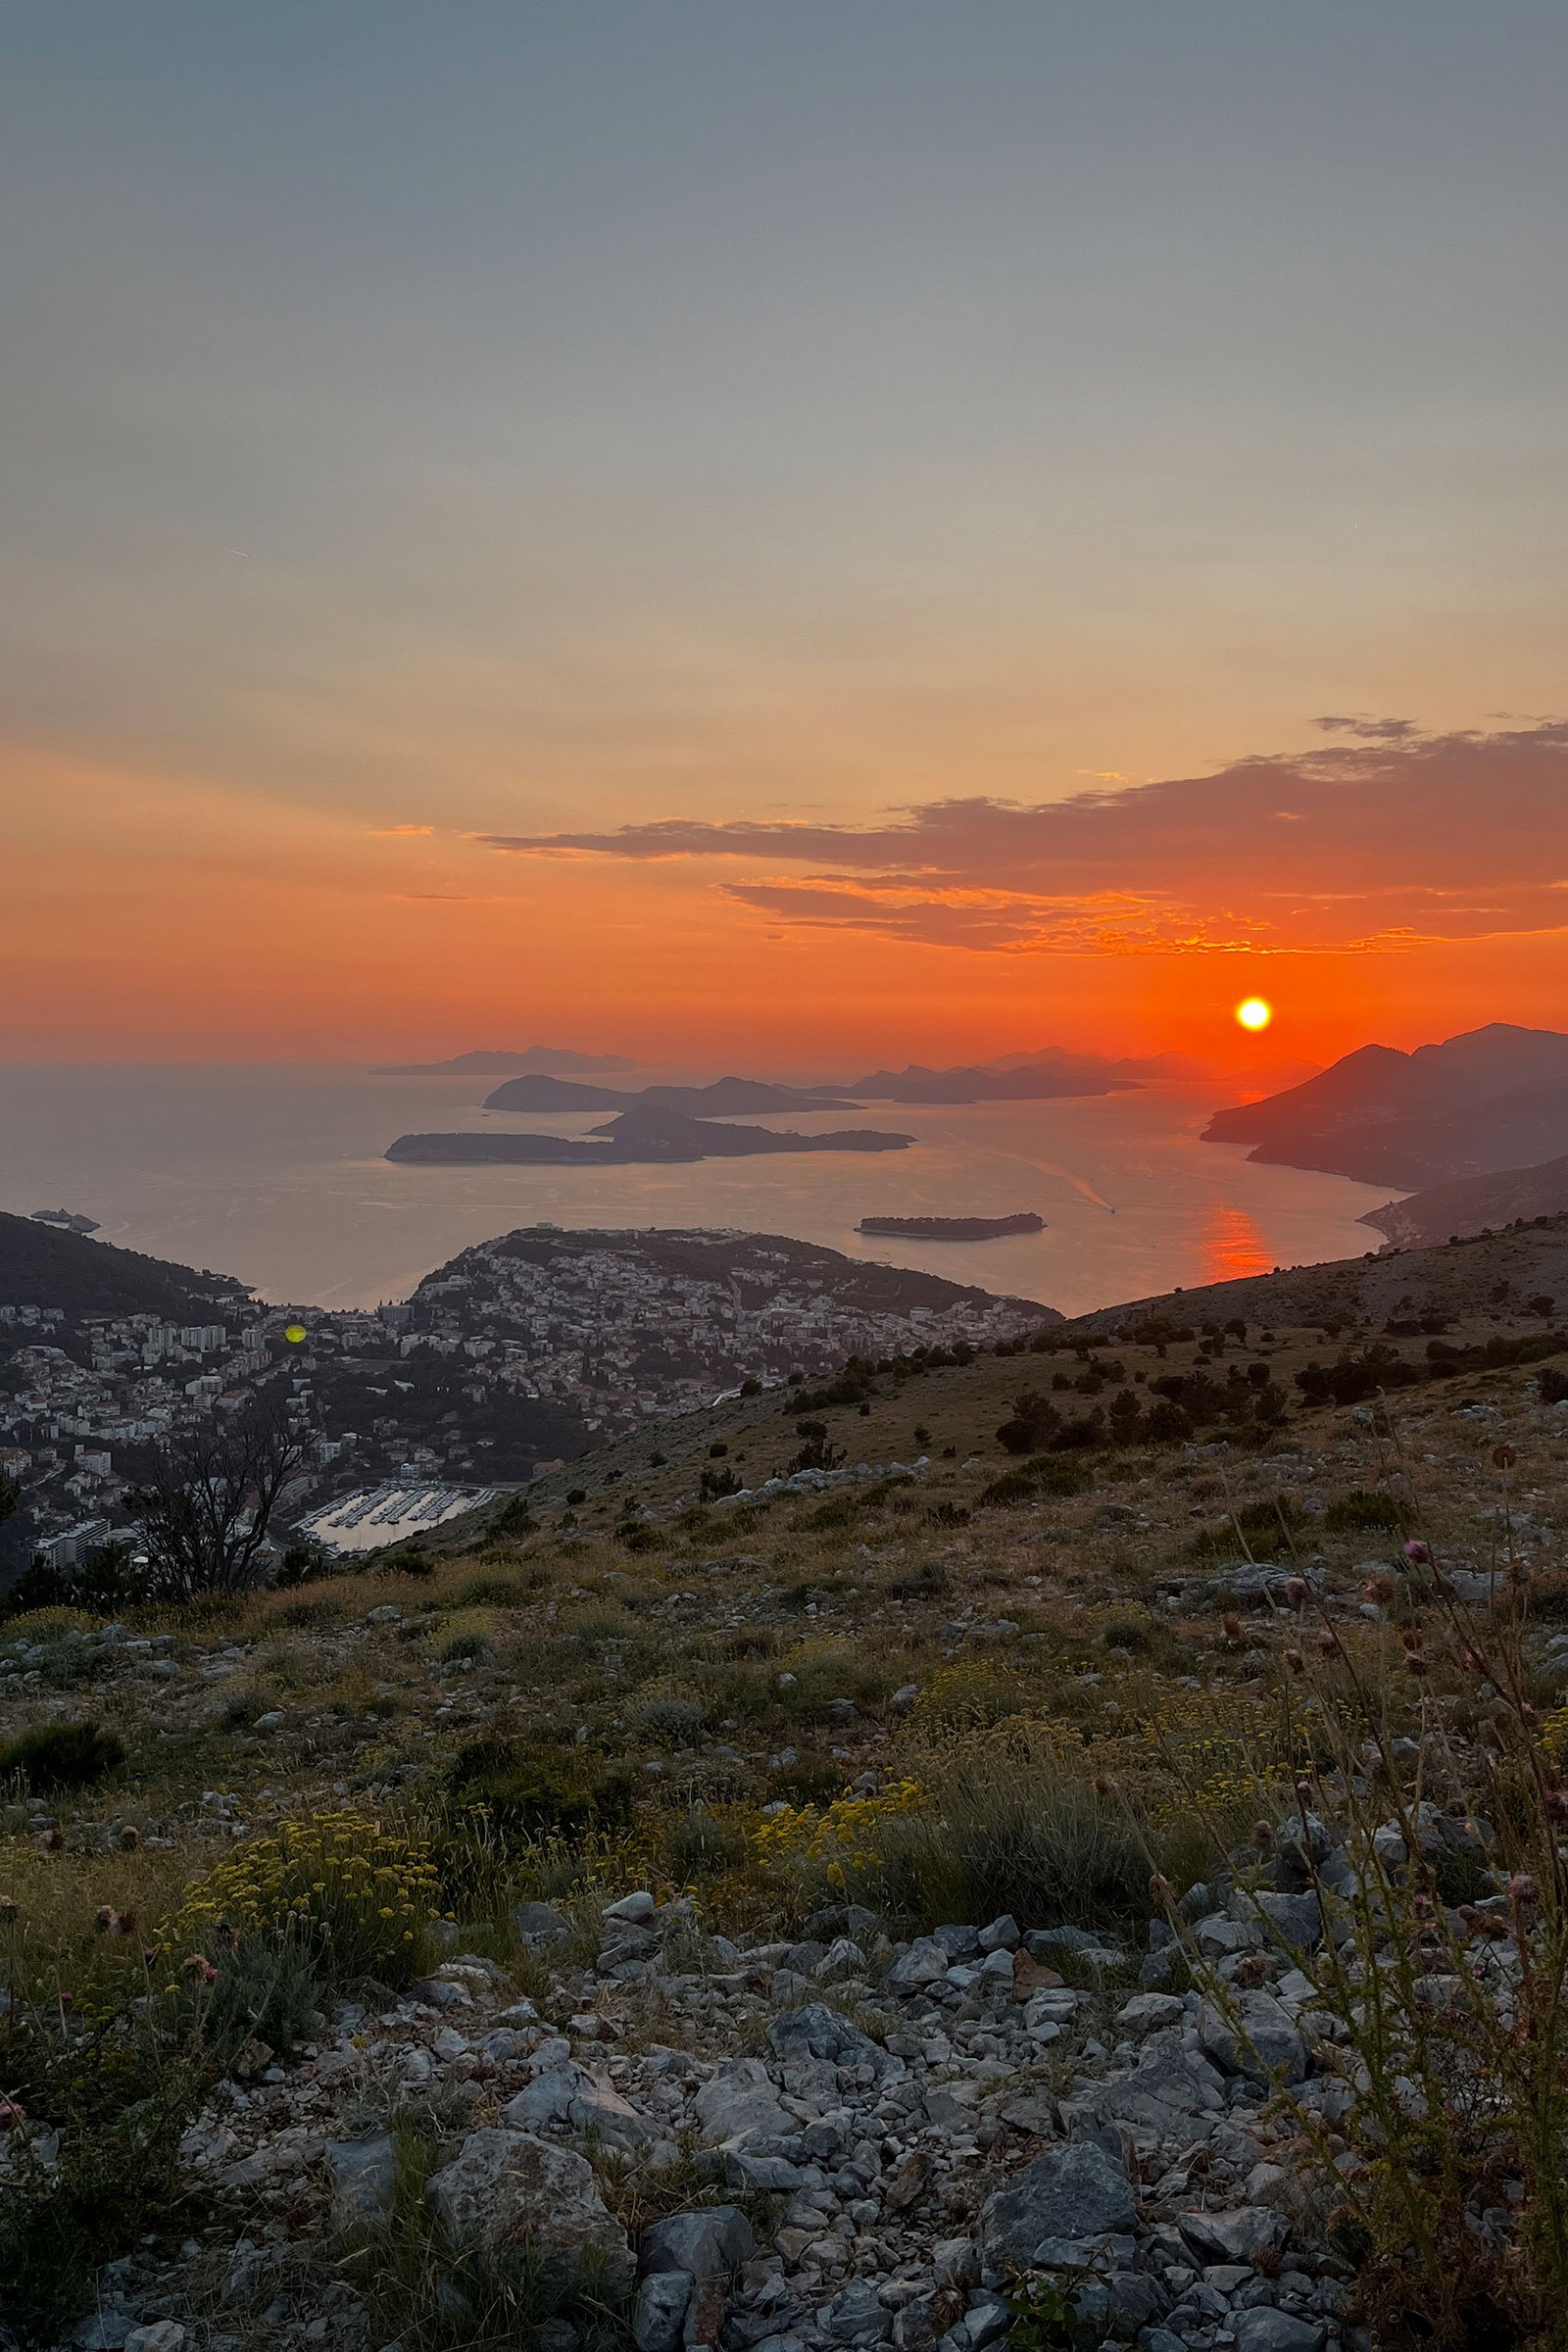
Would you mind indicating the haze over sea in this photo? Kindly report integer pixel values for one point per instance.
(275, 1174)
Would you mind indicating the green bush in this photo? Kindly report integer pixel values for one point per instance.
(468, 1641)
(1373, 1512)
(64, 1755)
(103, 1583)
(266, 1989)
(1264, 1529)
(669, 1715)
(1004, 1834)
(1057, 1475)
(529, 1792)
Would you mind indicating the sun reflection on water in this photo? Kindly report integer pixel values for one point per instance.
(1232, 1246)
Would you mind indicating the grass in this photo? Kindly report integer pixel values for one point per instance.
(1007, 1832)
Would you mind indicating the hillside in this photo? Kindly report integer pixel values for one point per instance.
(791, 1848)
(42, 1265)
(792, 1844)
(1471, 1282)
(1474, 1205)
(1492, 1098)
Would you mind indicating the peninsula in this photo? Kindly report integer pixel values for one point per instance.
(953, 1229)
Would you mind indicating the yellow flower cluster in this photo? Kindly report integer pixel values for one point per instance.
(1552, 1737)
(841, 1834)
(976, 1693)
(1219, 1755)
(359, 1895)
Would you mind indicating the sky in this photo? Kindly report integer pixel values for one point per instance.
(736, 533)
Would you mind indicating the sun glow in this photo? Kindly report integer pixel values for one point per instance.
(1254, 1012)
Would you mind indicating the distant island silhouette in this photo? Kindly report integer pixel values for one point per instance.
(646, 1133)
(726, 1097)
(486, 1063)
(1050, 1077)
(953, 1229)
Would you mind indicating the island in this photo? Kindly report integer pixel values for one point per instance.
(724, 1098)
(953, 1229)
(69, 1220)
(646, 1134)
(1046, 1078)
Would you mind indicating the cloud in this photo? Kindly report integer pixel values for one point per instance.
(1366, 843)
(1370, 730)
(403, 832)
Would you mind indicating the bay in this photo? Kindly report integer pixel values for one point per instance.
(276, 1173)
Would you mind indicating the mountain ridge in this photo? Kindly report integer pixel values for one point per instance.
(1477, 1104)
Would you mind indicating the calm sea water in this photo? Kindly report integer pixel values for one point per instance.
(275, 1174)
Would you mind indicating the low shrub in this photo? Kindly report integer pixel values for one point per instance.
(494, 1588)
(1261, 1531)
(1011, 1823)
(1375, 1511)
(668, 1715)
(64, 1755)
(468, 1643)
(357, 1898)
(529, 1792)
(1058, 1474)
(972, 1693)
(267, 1990)
(703, 1845)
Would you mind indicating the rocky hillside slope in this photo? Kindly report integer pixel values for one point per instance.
(795, 1978)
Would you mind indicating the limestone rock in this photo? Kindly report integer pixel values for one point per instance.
(739, 2103)
(365, 2175)
(659, 2311)
(503, 2187)
(1074, 2191)
(1262, 2041)
(704, 2245)
(579, 2101)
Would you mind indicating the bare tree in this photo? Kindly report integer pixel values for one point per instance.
(205, 1512)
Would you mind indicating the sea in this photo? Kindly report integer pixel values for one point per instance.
(276, 1173)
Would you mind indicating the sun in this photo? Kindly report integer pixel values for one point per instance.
(1254, 1012)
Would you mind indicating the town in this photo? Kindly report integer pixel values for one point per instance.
(519, 1354)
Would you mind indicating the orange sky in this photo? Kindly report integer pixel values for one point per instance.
(780, 537)
(1392, 890)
